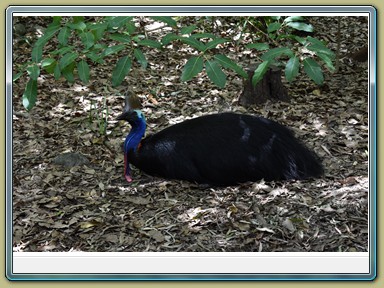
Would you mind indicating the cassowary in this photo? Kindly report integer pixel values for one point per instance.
(220, 150)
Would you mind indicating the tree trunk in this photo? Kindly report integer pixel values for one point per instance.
(270, 87)
(361, 55)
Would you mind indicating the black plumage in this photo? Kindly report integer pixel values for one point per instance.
(219, 149)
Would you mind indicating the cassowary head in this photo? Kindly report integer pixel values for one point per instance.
(136, 119)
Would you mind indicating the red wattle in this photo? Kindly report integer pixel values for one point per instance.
(127, 177)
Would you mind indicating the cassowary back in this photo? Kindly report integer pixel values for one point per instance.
(226, 149)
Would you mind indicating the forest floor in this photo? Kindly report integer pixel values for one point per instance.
(93, 208)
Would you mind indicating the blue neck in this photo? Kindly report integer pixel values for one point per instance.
(137, 132)
(133, 139)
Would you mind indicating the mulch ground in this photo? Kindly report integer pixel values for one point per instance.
(91, 207)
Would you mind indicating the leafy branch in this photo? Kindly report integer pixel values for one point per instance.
(80, 43)
(309, 53)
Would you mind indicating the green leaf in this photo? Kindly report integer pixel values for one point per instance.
(37, 53)
(56, 20)
(215, 73)
(30, 94)
(119, 21)
(83, 70)
(69, 76)
(260, 72)
(301, 40)
(98, 30)
(48, 64)
(48, 34)
(57, 72)
(193, 67)
(321, 49)
(315, 41)
(113, 49)
(53, 27)
(50, 31)
(78, 26)
(313, 70)
(285, 36)
(293, 19)
(292, 68)
(120, 37)
(229, 64)
(99, 46)
(88, 39)
(137, 38)
(327, 61)
(67, 72)
(33, 71)
(212, 44)
(67, 59)
(140, 57)
(166, 19)
(187, 29)
(150, 43)
(169, 37)
(63, 50)
(130, 28)
(273, 27)
(277, 52)
(63, 36)
(258, 46)
(17, 76)
(193, 43)
(203, 35)
(77, 19)
(121, 70)
(97, 58)
(301, 26)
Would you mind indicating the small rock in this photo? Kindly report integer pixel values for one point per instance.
(70, 159)
(287, 223)
(19, 29)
